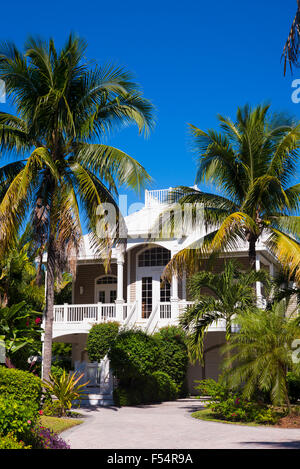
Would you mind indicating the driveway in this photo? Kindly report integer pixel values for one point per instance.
(170, 426)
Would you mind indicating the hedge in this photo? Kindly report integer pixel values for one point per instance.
(133, 354)
(20, 385)
(147, 389)
(173, 355)
(150, 368)
(100, 340)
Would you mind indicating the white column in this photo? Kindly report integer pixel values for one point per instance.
(120, 283)
(120, 280)
(184, 286)
(258, 284)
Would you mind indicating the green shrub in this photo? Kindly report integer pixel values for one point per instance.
(100, 339)
(166, 387)
(52, 409)
(229, 405)
(133, 354)
(21, 385)
(293, 387)
(212, 388)
(173, 355)
(237, 409)
(16, 417)
(10, 441)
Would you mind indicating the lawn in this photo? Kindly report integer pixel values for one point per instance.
(58, 424)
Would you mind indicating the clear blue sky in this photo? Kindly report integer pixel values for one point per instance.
(194, 59)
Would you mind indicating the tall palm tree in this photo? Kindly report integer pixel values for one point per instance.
(64, 106)
(261, 353)
(228, 294)
(290, 52)
(252, 162)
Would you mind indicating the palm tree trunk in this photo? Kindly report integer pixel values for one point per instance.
(47, 355)
(252, 251)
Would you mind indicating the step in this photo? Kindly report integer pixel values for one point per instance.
(95, 400)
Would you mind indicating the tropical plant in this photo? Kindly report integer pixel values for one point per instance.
(19, 328)
(63, 176)
(229, 294)
(252, 162)
(261, 353)
(18, 277)
(66, 388)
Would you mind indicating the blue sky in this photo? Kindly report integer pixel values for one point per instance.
(193, 59)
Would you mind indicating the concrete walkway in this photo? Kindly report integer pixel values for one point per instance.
(170, 426)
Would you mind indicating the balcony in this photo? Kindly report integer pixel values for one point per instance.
(79, 318)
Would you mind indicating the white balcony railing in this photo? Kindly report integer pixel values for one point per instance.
(78, 313)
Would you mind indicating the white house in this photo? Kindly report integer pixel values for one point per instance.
(132, 292)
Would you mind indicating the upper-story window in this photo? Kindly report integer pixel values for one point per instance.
(157, 256)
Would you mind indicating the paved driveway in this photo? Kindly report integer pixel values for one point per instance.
(170, 426)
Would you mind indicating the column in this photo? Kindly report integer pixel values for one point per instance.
(258, 284)
(120, 283)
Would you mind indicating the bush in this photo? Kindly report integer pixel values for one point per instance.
(21, 385)
(293, 387)
(66, 388)
(156, 387)
(52, 409)
(173, 355)
(229, 405)
(212, 388)
(16, 417)
(10, 441)
(237, 409)
(134, 354)
(166, 387)
(100, 339)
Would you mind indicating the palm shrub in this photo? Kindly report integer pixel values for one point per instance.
(261, 353)
(64, 172)
(229, 293)
(66, 388)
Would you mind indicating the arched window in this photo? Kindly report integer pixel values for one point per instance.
(106, 280)
(156, 256)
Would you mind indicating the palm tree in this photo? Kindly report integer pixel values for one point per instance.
(290, 52)
(228, 294)
(261, 353)
(63, 176)
(252, 162)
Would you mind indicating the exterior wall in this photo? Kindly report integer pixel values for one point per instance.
(86, 276)
(212, 361)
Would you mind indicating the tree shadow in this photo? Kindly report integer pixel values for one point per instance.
(291, 444)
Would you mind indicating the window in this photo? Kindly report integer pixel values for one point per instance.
(106, 280)
(112, 296)
(165, 291)
(146, 297)
(157, 256)
(101, 296)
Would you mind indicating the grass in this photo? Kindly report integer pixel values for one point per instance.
(208, 415)
(59, 424)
